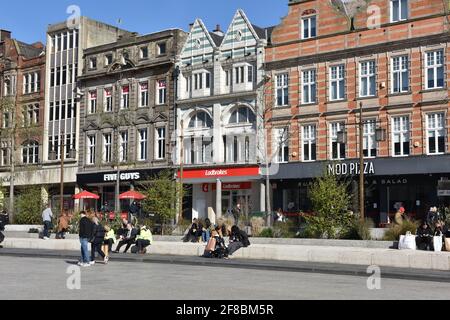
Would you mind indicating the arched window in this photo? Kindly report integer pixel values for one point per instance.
(30, 152)
(243, 115)
(200, 120)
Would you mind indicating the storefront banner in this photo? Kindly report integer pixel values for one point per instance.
(221, 173)
(234, 186)
(123, 176)
(339, 169)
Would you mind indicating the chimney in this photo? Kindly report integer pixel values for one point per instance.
(218, 31)
(5, 34)
(38, 45)
(190, 26)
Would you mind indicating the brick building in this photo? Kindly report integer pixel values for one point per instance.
(22, 74)
(328, 57)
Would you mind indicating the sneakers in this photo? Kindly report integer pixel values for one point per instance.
(85, 265)
(92, 263)
(46, 238)
(106, 260)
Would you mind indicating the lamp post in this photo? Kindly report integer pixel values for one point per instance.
(361, 163)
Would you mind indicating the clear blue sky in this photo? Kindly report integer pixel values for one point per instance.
(28, 20)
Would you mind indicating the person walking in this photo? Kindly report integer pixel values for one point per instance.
(98, 237)
(110, 239)
(47, 216)
(399, 216)
(86, 232)
(143, 240)
(238, 240)
(63, 226)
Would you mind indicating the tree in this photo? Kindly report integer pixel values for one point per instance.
(330, 202)
(161, 196)
(29, 206)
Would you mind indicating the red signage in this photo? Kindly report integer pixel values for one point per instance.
(234, 186)
(221, 173)
(205, 187)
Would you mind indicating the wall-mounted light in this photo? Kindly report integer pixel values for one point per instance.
(380, 134)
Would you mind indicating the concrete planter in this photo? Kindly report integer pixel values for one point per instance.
(22, 228)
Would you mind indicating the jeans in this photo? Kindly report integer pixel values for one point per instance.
(84, 250)
(234, 246)
(46, 228)
(96, 247)
(206, 235)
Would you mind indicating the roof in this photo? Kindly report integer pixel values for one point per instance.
(216, 38)
(263, 33)
(27, 50)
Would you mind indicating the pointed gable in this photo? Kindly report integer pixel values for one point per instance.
(240, 37)
(199, 45)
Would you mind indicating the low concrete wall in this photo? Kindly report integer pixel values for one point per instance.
(301, 253)
(22, 228)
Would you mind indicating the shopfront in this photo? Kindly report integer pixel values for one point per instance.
(389, 183)
(219, 191)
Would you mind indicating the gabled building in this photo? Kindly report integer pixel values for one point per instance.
(220, 116)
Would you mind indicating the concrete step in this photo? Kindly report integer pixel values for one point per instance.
(275, 252)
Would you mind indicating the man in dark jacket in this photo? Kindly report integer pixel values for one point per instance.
(86, 233)
(129, 239)
(424, 239)
(238, 240)
(97, 241)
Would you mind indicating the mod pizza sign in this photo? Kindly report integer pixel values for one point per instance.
(220, 173)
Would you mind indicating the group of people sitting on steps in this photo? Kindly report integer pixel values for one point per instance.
(213, 236)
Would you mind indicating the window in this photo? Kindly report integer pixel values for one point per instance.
(58, 76)
(30, 152)
(207, 80)
(6, 119)
(436, 133)
(242, 115)
(400, 136)
(108, 100)
(309, 143)
(227, 77)
(92, 102)
(142, 144)
(435, 69)
(250, 74)
(282, 89)
(370, 143)
(399, 10)
(162, 91)
(400, 74)
(125, 99)
(5, 154)
(367, 86)
(143, 87)
(281, 145)
(64, 75)
(200, 120)
(31, 115)
(238, 149)
(309, 27)
(162, 48)
(143, 53)
(309, 86)
(123, 151)
(239, 74)
(160, 143)
(93, 63)
(337, 149)
(107, 147)
(337, 83)
(91, 142)
(108, 59)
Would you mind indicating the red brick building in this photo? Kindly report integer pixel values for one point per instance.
(22, 72)
(324, 60)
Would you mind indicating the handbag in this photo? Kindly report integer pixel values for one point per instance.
(407, 242)
(437, 243)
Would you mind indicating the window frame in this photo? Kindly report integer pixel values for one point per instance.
(340, 126)
(160, 143)
(340, 82)
(282, 85)
(309, 28)
(401, 133)
(369, 76)
(310, 140)
(107, 147)
(91, 149)
(437, 129)
(401, 70)
(311, 86)
(400, 6)
(142, 145)
(435, 67)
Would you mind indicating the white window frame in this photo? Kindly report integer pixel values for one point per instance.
(309, 86)
(142, 147)
(107, 147)
(160, 143)
(367, 71)
(309, 137)
(337, 77)
(401, 129)
(340, 126)
(143, 94)
(125, 98)
(307, 27)
(93, 63)
(437, 129)
(90, 149)
(123, 151)
(399, 67)
(141, 53)
(369, 138)
(108, 99)
(435, 66)
(281, 140)
(401, 4)
(93, 101)
(32, 152)
(161, 97)
(282, 87)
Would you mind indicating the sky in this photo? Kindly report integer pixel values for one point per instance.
(28, 20)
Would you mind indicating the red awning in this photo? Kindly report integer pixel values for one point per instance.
(86, 195)
(132, 195)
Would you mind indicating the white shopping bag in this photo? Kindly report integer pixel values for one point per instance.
(437, 243)
(407, 242)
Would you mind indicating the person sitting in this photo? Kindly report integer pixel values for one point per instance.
(216, 246)
(129, 239)
(123, 229)
(110, 239)
(63, 226)
(143, 240)
(424, 239)
(206, 232)
(192, 235)
(238, 240)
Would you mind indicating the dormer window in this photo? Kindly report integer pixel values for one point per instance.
(93, 63)
(108, 59)
(143, 53)
(162, 48)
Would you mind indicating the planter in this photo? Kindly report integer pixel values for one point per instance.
(22, 228)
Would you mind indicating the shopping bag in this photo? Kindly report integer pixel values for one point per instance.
(437, 243)
(447, 244)
(407, 242)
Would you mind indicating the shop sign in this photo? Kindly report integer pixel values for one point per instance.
(443, 193)
(221, 173)
(234, 186)
(342, 169)
(123, 176)
(205, 187)
(394, 181)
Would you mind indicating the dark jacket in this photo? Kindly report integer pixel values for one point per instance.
(134, 234)
(86, 228)
(2, 226)
(98, 234)
(242, 237)
(424, 233)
